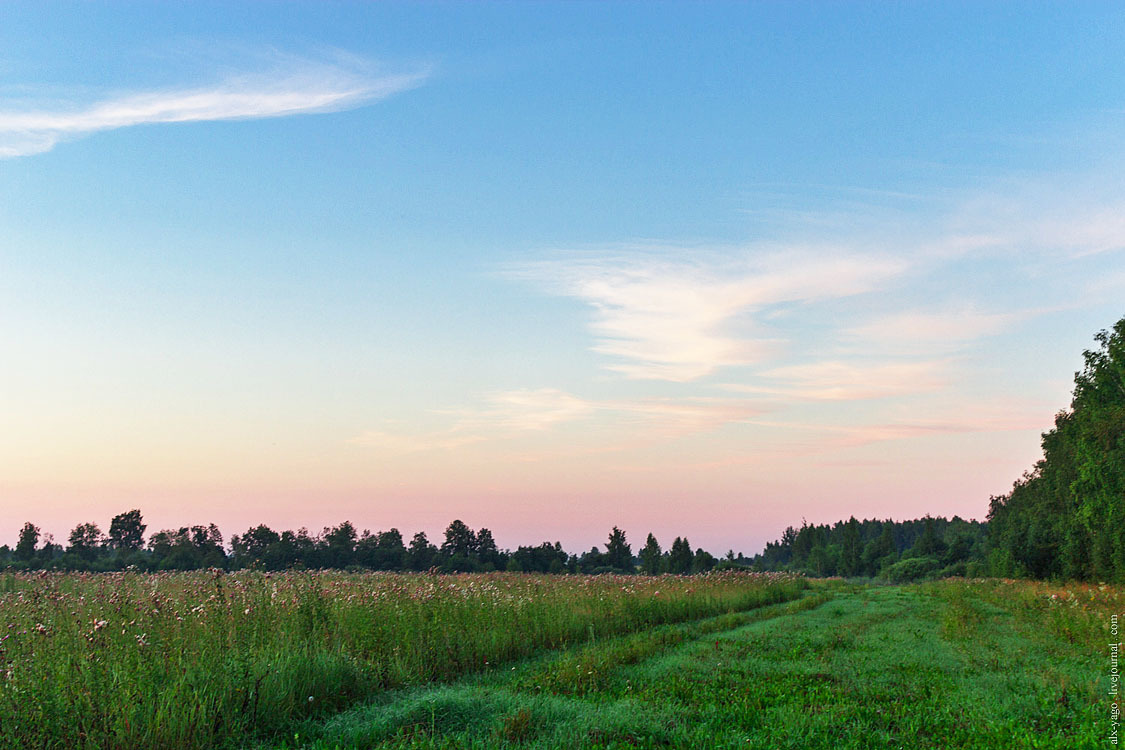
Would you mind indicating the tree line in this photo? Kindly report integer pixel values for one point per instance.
(1065, 518)
(891, 550)
(462, 549)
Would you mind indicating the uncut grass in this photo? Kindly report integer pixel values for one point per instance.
(189, 660)
(1076, 613)
(937, 666)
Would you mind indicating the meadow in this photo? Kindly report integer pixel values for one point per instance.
(326, 661)
(986, 665)
(209, 659)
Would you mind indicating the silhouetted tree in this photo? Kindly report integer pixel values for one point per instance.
(421, 553)
(702, 561)
(188, 548)
(651, 556)
(546, 558)
(85, 541)
(28, 540)
(339, 545)
(459, 540)
(126, 531)
(259, 546)
(618, 554)
(680, 557)
(592, 561)
(486, 551)
(382, 551)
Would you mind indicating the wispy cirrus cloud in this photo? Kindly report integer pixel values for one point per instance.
(525, 409)
(292, 86)
(929, 329)
(675, 417)
(1064, 217)
(521, 413)
(498, 415)
(667, 314)
(849, 436)
(847, 381)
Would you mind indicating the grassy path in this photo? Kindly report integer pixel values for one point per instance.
(911, 667)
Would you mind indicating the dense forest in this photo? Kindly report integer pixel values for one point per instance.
(891, 550)
(1063, 519)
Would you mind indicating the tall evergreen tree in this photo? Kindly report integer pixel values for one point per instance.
(929, 544)
(880, 551)
(851, 561)
(680, 556)
(651, 556)
(618, 553)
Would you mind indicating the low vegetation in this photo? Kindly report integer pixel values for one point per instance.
(954, 664)
(186, 660)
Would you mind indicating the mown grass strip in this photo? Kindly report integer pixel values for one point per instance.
(872, 669)
(496, 704)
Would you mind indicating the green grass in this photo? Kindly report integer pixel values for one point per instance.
(332, 660)
(193, 660)
(948, 665)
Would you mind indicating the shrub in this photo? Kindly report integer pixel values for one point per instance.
(912, 569)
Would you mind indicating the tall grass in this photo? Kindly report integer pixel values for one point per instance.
(191, 660)
(1077, 613)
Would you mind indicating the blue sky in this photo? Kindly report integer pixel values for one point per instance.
(702, 269)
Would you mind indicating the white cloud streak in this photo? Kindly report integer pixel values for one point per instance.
(667, 315)
(519, 414)
(501, 415)
(528, 409)
(297, 87)
(847, 381)
(929, 329)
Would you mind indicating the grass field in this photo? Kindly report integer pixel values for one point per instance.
(944, 665)
(193, 660)
(732, 660)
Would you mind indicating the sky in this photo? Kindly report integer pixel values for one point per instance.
(689, 269)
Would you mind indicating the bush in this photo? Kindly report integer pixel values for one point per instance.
(956, 570)
(912, 569)
(976, 569)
